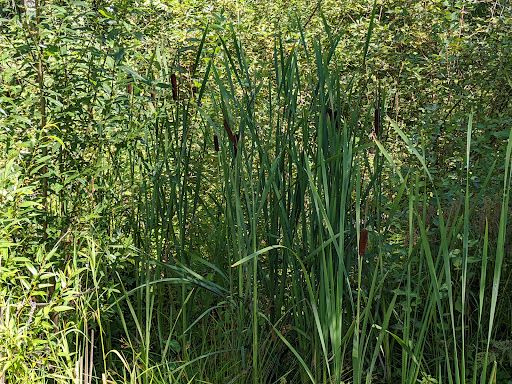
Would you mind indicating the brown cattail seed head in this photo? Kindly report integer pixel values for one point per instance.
(363, 242)
(216, 143)
(153, 96)
(174, 84)
(129, 87)
(228, 131)
(376, 122)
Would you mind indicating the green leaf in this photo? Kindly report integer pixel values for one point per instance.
(61, 308)
(134, 74)
(106, 14)
(31, 268)
(7, 244)
(255, 254)
(175, 346)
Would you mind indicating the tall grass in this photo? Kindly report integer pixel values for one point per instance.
(263, 212)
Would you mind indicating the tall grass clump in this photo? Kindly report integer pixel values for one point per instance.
(285, 186)
(298, 189)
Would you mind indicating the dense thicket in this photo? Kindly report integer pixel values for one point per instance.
(271, 192)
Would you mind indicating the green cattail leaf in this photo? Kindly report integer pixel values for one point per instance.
(255, 254)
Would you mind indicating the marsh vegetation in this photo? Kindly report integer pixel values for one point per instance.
(255, 192)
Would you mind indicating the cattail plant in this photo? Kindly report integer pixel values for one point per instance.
(216, 143)
(129, 87)
(229, 132)
(174, 84)
(363, 242)
(153, 97)
(297, 194)
(234, 138)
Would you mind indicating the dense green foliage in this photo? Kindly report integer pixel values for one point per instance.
(265, 192)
